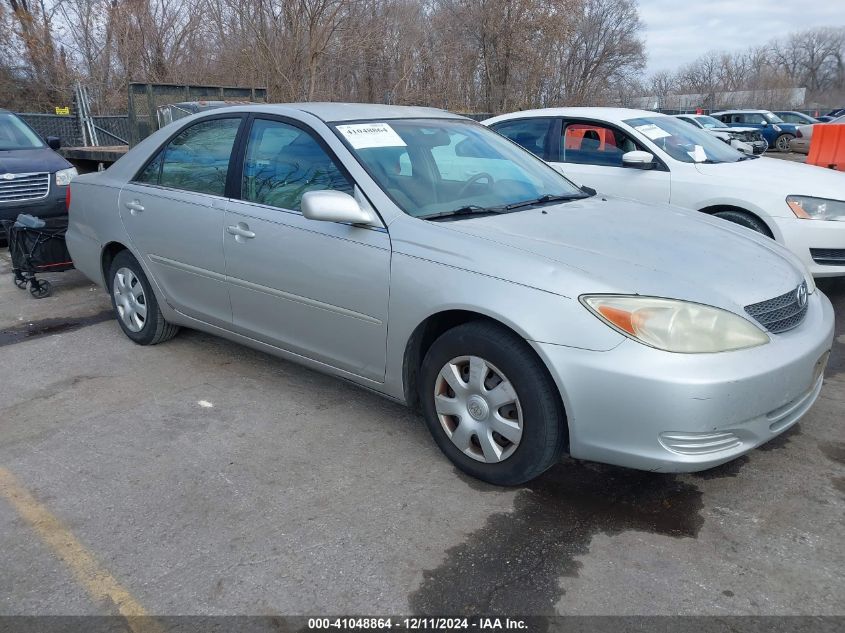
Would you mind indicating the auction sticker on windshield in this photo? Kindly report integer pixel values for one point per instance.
(364, 135)
(652, 131)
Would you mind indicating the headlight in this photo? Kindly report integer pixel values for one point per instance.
(816, 208)
(675, 326)
(776, 128)
(64, 176)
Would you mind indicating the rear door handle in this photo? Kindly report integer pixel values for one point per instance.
(134, 207)
(240, 230)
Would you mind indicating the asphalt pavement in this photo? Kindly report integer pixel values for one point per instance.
(201, 477)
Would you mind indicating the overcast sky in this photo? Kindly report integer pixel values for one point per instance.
(678, 31)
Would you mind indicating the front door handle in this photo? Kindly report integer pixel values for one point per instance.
(240, 230)
(134, 207)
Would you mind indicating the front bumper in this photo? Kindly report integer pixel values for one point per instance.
(800, 236)
(800, 145)
(759, 146)
(643, 408)
(53, 205)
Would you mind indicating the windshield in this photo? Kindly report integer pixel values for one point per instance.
(15, 134)
(435, 166)
(683, 142)
(709, 122)
(773, 118)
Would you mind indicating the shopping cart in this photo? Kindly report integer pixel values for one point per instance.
(37, 250)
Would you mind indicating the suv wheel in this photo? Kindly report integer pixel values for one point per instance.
(490, 404)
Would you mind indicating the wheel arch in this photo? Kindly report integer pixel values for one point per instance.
(107, 255)
(109, 252)
(430, 329)
(713, 209)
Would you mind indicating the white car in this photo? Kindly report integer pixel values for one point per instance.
(801, 142)
(656, 158)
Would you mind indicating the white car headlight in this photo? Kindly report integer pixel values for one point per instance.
(675, 326)
(776, 128)
(64, 176)
(809, 208)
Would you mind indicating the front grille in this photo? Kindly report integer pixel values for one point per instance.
(828, 256)
(781, 313)
(22, 187)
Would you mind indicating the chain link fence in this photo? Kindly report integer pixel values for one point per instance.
(111, 129)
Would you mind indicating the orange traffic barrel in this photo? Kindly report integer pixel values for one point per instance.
(827, 146)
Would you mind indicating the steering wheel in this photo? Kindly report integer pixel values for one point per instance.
(473, 180)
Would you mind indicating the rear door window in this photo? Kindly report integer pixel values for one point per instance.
(197, 159)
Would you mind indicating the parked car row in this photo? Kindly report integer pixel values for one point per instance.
(775, 130)
(660, 159)
(748, 140)
(425, 257)
(804, 134)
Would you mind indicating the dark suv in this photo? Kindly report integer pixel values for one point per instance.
(33, 177)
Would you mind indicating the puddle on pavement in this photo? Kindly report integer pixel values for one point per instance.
(782, 440)
(46, 327)
(512, 564)
(729, 469)
(834, 451)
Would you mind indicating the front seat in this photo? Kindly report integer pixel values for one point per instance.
(591, 141)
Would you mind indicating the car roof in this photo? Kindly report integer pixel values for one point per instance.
(616, 115)
(332, 112)
(741, 111)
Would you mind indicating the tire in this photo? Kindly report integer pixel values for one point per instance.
(747, 220)
(503, 358)
(782, 142)
(141, 320)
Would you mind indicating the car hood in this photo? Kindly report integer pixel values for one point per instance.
(776, 175)
(612, 245)
(24, 161)
(735, 129)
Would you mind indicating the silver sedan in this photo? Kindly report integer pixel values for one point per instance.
(423, 256)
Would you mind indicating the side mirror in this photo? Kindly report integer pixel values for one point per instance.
(334, 206)
(764, 123)
(53, 142)
(638, 160)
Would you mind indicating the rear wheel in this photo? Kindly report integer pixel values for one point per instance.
(745, 219)
(490, 404)
(134, 303)
(782, 142)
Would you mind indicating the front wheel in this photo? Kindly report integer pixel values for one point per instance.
(135, 304)
(782, 142)
(744, 219)
(490, 404)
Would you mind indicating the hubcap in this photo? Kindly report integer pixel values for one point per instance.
(478, 409)
(130, 300)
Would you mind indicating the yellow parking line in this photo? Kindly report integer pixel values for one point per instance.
(100, 584)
